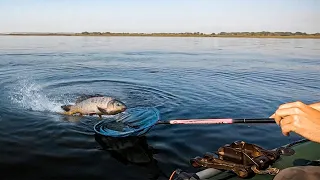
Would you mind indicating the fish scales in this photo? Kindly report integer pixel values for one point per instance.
(95, 105)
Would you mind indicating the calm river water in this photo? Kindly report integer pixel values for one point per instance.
(182, 77)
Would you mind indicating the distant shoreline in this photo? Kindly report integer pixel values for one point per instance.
(296, 35)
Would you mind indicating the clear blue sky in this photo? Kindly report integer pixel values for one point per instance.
(159, 15)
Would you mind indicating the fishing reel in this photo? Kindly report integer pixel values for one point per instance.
(243, 159)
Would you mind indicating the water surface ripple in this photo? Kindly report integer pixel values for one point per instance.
(182, 77)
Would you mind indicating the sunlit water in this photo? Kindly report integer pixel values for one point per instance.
(181, 77)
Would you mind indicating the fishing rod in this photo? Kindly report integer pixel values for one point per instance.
(215, 121)
(218, 121)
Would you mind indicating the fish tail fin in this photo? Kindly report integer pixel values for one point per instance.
(66, 107)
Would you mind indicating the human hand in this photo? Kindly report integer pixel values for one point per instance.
(299, 118)
(315, 106)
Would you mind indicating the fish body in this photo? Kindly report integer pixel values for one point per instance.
(95, 105)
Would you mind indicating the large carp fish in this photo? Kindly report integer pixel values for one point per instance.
(95, 105)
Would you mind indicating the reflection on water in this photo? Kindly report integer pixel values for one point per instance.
(133, 150)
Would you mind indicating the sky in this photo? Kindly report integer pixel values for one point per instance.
(146, 16)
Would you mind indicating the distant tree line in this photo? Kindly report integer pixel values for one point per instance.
(262, 34)
(266, 33)
(142, 34)
(239, 34)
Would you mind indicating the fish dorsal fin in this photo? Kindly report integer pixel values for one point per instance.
(85, 96)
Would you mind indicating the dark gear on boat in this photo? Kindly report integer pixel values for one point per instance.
(243, 159)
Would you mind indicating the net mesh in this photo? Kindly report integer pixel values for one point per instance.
(132, 122)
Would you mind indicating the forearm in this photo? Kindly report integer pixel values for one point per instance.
(315, 106)
(312, 133)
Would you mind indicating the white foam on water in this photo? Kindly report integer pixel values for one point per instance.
(30, 95)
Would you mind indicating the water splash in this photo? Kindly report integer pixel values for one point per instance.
(30, 95)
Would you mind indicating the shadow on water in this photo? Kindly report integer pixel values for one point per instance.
(132, 150)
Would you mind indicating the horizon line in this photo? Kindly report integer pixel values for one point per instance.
(42, 32)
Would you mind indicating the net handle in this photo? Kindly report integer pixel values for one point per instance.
(219, 121)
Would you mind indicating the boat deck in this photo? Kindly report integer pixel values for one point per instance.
(306, 151)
